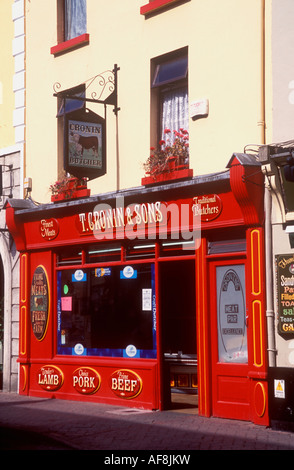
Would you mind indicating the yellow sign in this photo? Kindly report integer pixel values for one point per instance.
(279, 388)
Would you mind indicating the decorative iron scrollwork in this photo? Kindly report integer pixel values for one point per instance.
(106, 83)
(105, 89)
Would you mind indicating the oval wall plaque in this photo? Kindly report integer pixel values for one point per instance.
(208, 207)
(126, 383)
(39, 302)
(50, 378)
(49, 228)
(86, 380)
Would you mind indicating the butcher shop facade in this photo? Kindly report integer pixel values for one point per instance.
(130, 297)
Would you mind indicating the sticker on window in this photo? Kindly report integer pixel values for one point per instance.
(100, 272)
(128, 273)
(79, 276)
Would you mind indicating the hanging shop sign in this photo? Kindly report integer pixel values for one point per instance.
(126, 384)
(84, 141)
(50, 378)
(86, 380)
(285, 291)
(39, 302)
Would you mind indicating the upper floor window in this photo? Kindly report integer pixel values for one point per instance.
(71, 25)
(170, 91)
(75, 18)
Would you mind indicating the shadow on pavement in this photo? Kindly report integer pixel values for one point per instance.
(20, 439)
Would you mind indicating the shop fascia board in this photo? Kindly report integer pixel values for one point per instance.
(211, 182)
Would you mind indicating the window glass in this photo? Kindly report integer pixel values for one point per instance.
(170, 85)
(103, 253)
(68, 105)
(171, 71)
(75, 16)
(175, 112)
(107, 311)
(288, 192)
(231, 314)
(68, 256)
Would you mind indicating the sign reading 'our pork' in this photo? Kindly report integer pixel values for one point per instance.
(39, 302)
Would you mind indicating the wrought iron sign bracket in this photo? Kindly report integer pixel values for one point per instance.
(106, 81)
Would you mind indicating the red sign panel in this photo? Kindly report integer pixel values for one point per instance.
(86, 380)
(208, 207)
(50, 378)
(126, 383)
(49, 229)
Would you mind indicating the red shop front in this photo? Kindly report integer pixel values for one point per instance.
(129, 297)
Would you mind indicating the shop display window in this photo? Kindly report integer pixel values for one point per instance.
(107, 311)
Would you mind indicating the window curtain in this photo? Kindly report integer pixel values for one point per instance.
(175, 112)
(75, 18)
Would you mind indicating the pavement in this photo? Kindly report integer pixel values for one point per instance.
(30, 423)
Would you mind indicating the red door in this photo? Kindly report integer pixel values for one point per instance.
(229, 340)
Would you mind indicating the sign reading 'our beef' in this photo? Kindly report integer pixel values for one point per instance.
(39, 302)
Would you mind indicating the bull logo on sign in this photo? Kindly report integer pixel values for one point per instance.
(85, 143)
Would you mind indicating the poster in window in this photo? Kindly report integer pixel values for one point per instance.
(285, 294)
(84, 139)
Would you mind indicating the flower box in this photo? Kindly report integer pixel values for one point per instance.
(178, 173)
(69, 188)
(170, 160)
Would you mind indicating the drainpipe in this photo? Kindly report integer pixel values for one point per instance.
(261, 122)
(270, 314)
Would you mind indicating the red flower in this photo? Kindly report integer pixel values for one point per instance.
(161, 142)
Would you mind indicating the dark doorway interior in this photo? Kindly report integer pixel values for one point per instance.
(178, 326)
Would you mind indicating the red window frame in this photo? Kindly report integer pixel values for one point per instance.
(63, 46)
(71, 44)
(157, 5)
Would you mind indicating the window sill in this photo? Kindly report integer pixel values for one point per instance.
(70, 45)
(157, 5)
